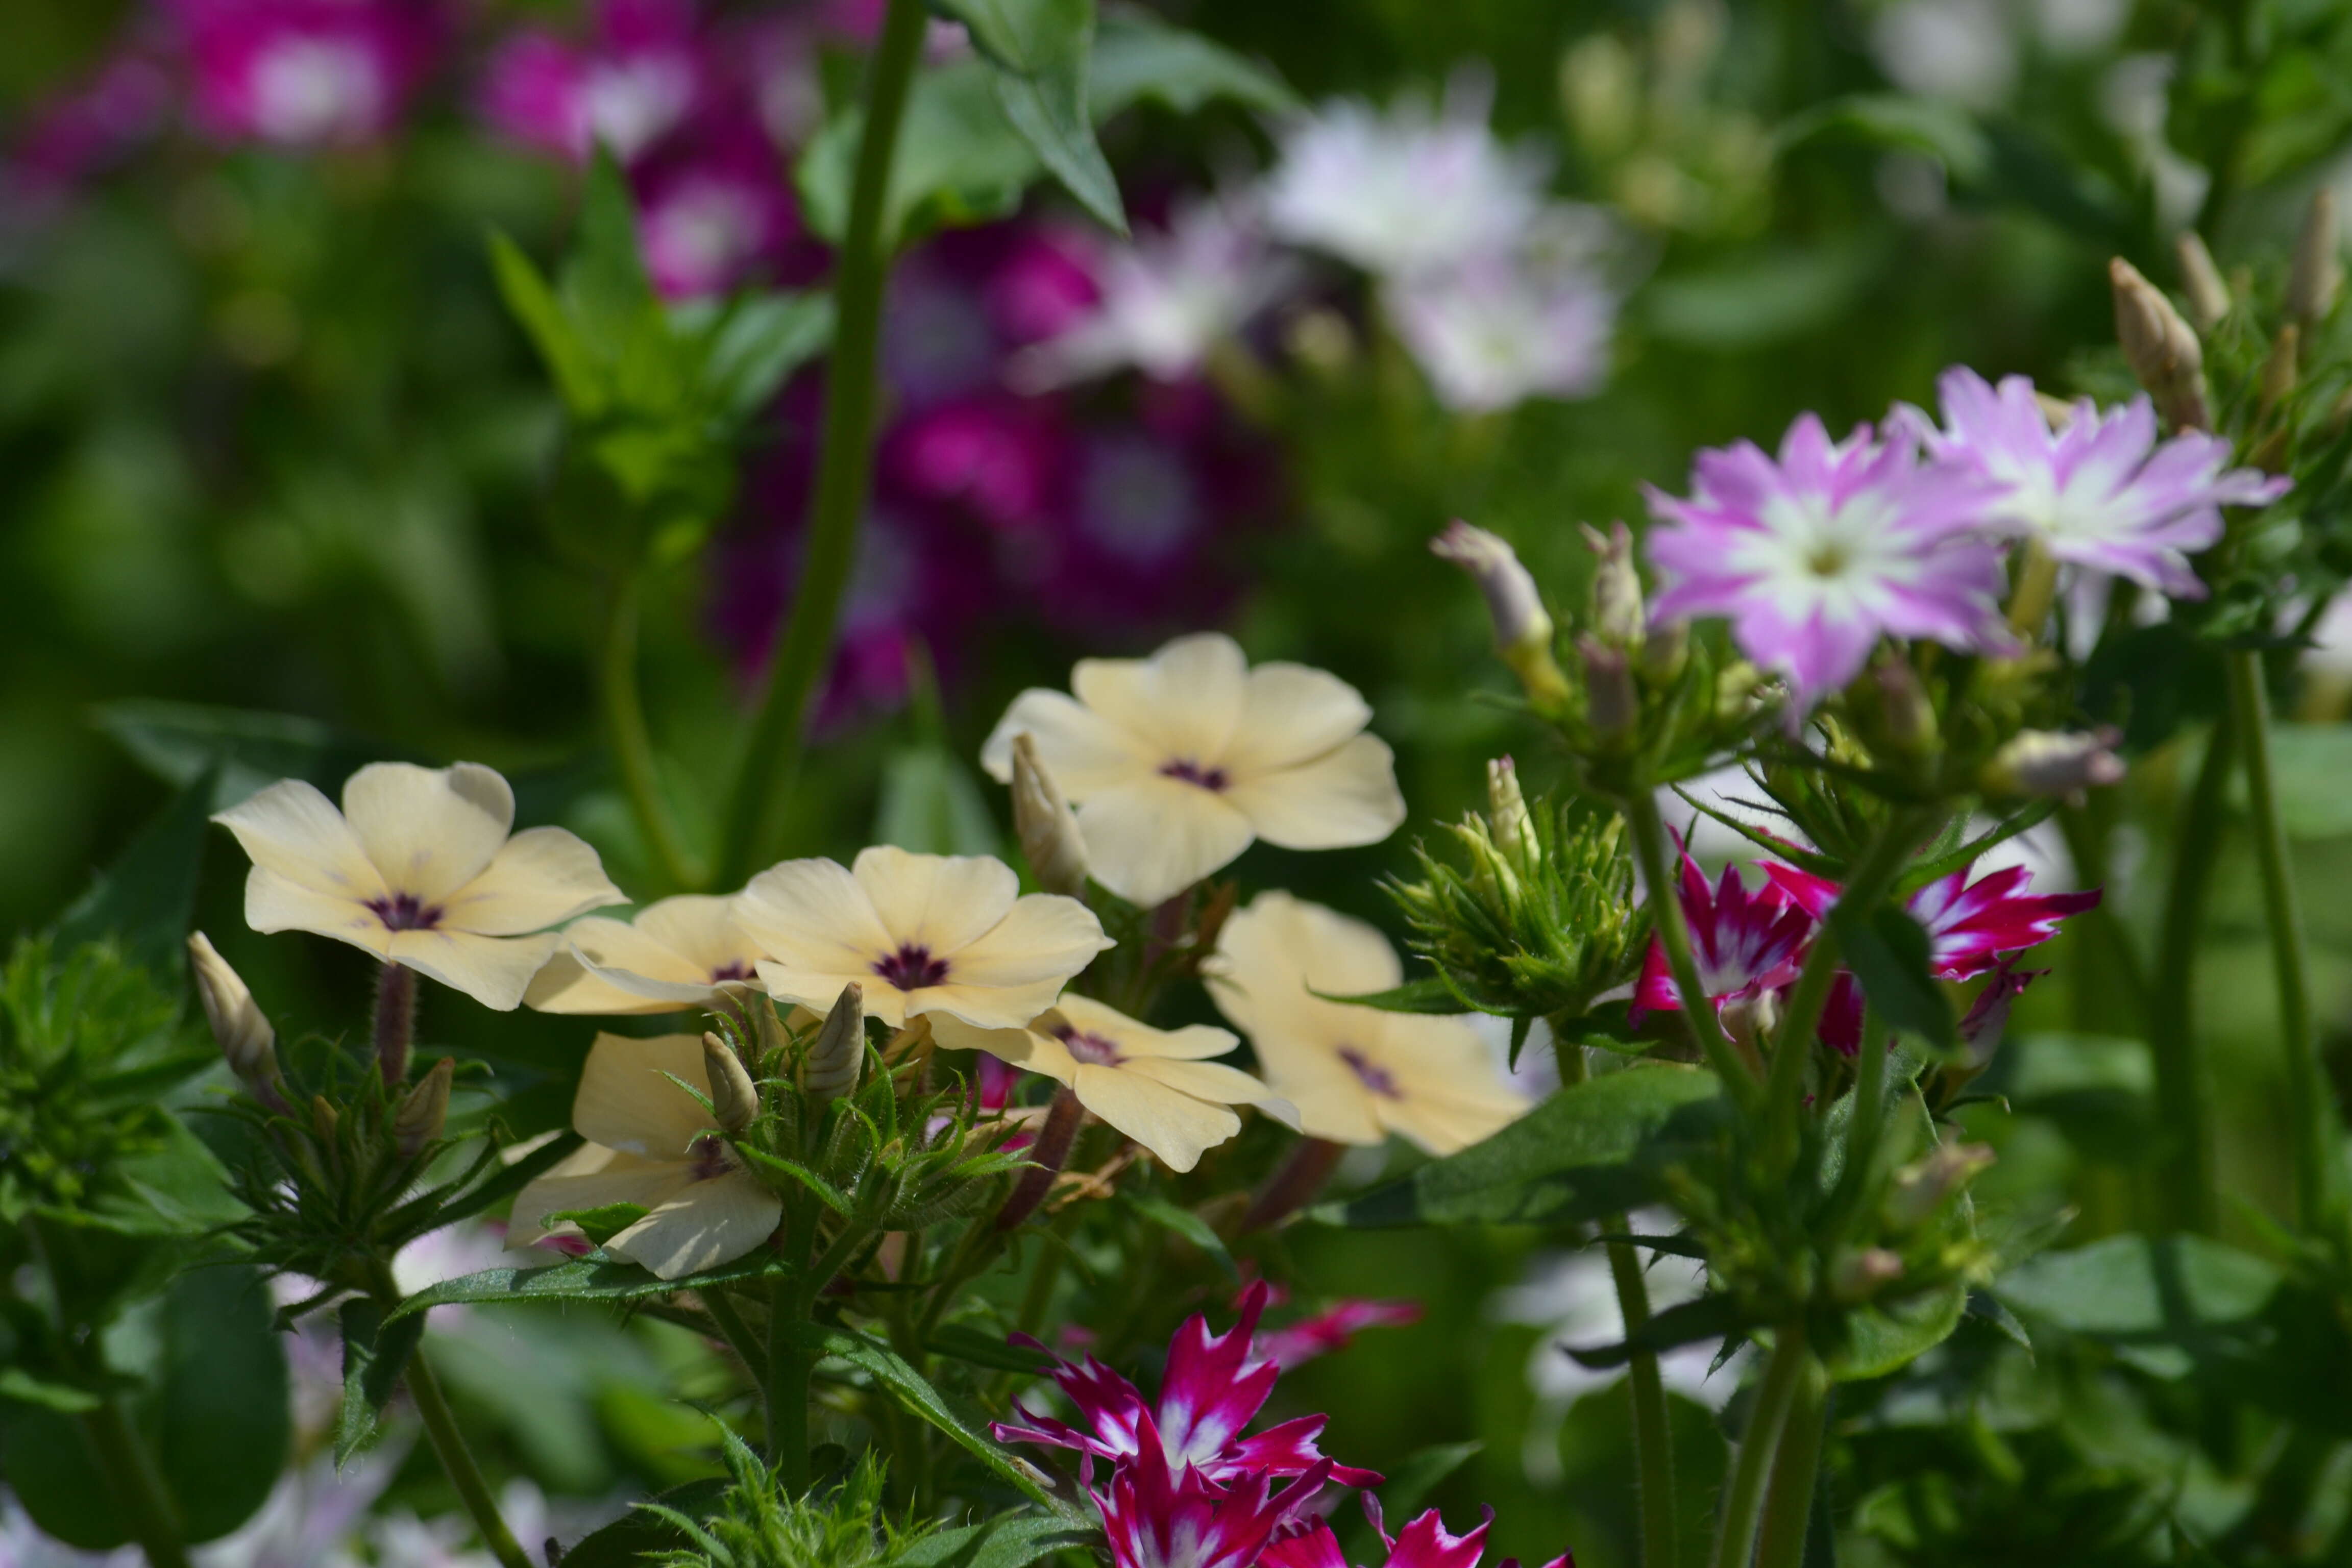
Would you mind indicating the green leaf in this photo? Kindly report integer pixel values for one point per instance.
(967, 1343)
(17, 1384)
(761, 340)
(916, 1394)
(509, 1179)
(374, 1356)
(1428, 994)
(579, 380)
(637, 1536)
(144, 899)
(601, 1224)
(1137, 56)
(2309, 763)
(1594, 1149)
(607, 293)
(1882, 1338)
(932, 804)
(1040, 50)
(1010, 1541)
(1941, 129)
(221, 1426)
(1889, 952)
(178, 741)
(1184, 1223)
(1709, 1317)
(2155, 1290)
(595, 1277)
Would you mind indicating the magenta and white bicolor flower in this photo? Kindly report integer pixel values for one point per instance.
(638, 78)
(2100, 492)
(1160, 1514)
(1331, 1329)
(1213, 1386)
(1817, 553)
(307, 73)
(1423, 1543)
(1746, 943)
(1971, 926)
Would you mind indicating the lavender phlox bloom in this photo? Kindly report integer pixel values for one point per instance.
(2100, 491)
(1500, 328)
(1815, 554)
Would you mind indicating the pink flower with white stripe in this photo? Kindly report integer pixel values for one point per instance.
(1971, 926)
(1816, 555)
(1746, 943)
(1423, 1543)
(1213, 1386)
(2100, 492)
(1161, 1515)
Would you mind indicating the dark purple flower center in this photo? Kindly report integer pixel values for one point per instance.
(726, 971)
(1192, 773)
(708, 1157)
(1375, 1078)
(405, 911)
(1092, 1049)
(911, 968)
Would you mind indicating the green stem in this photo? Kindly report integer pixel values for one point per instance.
(2184, 1171)
(2312, 1124)
(1868, 1125)
(845, 467)
(632, 741)
(738, 1337)
(1666, 919)
(1743, 1499)
(1653, 1440)
(1789, 1504)
(138, 1488)
(790, 1362)
(448, 1442)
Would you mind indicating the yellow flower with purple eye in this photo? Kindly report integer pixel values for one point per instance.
(681, 952)
(419, 868)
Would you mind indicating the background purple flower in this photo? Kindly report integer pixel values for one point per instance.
(638, 76)
(307, 73)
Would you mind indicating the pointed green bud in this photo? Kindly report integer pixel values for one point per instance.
(1612, 705)
(1507, 819)
(1050, 841)
(839, 1053)
(2201, 282)
(2046, 761)
(2161, 348)
(734, 1098)
(2317, 272)
(423, 1110)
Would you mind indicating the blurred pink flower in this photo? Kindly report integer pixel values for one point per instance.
(307, 73)
(714, 213)
(1331, 1329)
(639, 78)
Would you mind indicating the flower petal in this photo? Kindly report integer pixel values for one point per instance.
(1343, 798)
(625, 1103)
(493, 969)
(1023, 1048)
(1043, 940)
(542, 877)
(701, 928)
(707, 1224)
(614, 967)
(818, 990)
(429, 830)
(1173, 1125)
(294, 831)
(937, 902)
(1085, 751)
(274, 903)
(1211, 1081)
(1181, 704)
(1272, 955)
(1192, 1043)
(1149, 840)
(814, 916)
(1290, 714)
(606, 1177)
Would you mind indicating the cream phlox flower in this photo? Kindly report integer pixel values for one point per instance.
(1178, 761)
(681, 952)
(943, 934)
(418, 867)
(650, 1143)
(1356, 1074)
(1154, 1085)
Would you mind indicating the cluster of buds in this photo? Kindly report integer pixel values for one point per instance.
(1541, 920)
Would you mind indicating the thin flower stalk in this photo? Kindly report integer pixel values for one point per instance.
(2184, 1155)
(131, 1471)
(632, 741)
(1743, 1499)
(1788, 1499)
(1705, 1028)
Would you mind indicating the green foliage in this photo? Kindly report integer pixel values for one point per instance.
(1040, 50)
(757, 1524)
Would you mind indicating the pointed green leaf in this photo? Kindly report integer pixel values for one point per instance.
(1428, 994)
(2153, 1288)
(602, 1224)
(1184, 1222)
(1040, 49)
(1885, 1336)
(916, 1394)
(1889, 952)
(1138, 56)
(595, 1277)
(966, 1344)
(374, 1357)
(143, 901)
(578, 379)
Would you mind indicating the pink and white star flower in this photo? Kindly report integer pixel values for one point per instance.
(1746, 943)
(1817, 553)
(1160, 1515)
(1213, 1386)
(2100, 492)
(1971, 926)
(1425, 1542)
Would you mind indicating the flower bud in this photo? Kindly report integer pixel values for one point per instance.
(1987, 1015)
(1921, 1189)
(2317, 272)
(1665, 649)
(839, 1053)
(1858, 1274)
(1907, 716)
(1752, 1020)
(423, 1110)
(2201, 282)
(1048, 827)
(1612, 706)
(1523, 629)
(1507, 818)
(734, 1098)
(237, 1022)
(2161, 348)
(1618, 616)
(2278, 370)
(2046, 761)
(323, 1119)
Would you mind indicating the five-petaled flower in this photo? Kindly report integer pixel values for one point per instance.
(686, 952)
(418, 867)
(650, 1143)
(1177, 762)
(1816, 555)
(943, 934)
(1153, 1085)
(1356, 1074)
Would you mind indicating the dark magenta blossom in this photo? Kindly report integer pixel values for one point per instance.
(1161, 1515)
(1971, 926)
(1213, 1386)
(1815, 554)
(1424, 1543)
(714, 212)
(639, 75)
(307, 73)
(1746, 943)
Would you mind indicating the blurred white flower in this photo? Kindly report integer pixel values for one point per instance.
(1166, 300)
(1403, 192)
(1497, 330)
(1965, 50)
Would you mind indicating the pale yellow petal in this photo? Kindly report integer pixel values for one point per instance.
(625, 1103)
(1346, 797)
(703, 930)
(1450, 1091)
(274, 903)
(986, 1006)
(619, 967)
(1271, 955)
(429, 830)
(1291, 714)
(1043, 937)
(1023, 1048)
(565, 984)
(1149, 840)
(1181, 704)
(542, 877)
(1173, 1125)
(613, 1179)
(294, 831)
(1134, 1039)
(1442, 1127)
(1085, 751)
(814, 915)
(707, 1224)
(935, 902)
(493, 969)
(1211, 1081)
(819, 989)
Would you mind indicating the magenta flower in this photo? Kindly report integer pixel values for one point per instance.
(1330, 1330)
(714, 212)
(1213, 1386)
(639, 78)
(1160, 1516)
(1971, 926)
(1746, 943)
(1815, 555)
(2100, 492)
(307, 73)
(1424, 1543)
(89, 125)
